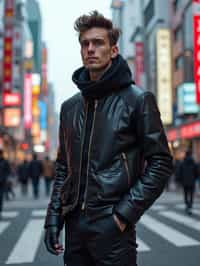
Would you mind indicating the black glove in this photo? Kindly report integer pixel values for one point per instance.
(51, 240)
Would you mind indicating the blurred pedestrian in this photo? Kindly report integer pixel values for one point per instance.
(23, 176)
(4, 174)
(177, 163)
(198, 179)
(188, 174)
(106, 133)
(48, 173)
(35, 172)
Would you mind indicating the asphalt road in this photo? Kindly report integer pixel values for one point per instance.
(165, 235)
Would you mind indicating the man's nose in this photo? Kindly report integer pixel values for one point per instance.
(90, 47)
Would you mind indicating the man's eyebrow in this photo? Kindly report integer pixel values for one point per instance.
(91, 39)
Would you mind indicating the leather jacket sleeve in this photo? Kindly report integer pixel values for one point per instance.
(156, 153)
(54, 217)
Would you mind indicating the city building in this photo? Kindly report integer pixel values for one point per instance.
(35, 25)
(185, 132)
(52, 132)
(147, 39)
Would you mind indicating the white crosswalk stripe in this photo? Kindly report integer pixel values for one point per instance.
(158, 208)
(182, 206)
(142, 246)
(3, 226)
(26, 247)
(39, 213)
(180, 218)
(196, 212)
(9, 214)
(173, 236)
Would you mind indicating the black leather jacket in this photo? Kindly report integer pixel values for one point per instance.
(126, 134)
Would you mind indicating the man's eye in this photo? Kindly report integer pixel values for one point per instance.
(98, 42)
(84, 44)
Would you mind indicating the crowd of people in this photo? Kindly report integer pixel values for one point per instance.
(28, 171)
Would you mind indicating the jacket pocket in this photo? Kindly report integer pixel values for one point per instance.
(126, 167)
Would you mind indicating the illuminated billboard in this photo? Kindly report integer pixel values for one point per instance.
(11, 99)
(12, 117)
(8, 45)
(164, 79)
(35, 84)
(27, 101)
(186, 99)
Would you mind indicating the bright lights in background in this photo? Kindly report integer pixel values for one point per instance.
(186, 99)
(27, 101)
(12, 117)
(11, 99)
(39, 148)
(28, 51)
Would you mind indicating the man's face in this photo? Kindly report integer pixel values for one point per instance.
(96, 50)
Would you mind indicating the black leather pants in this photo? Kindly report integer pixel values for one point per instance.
(98, 243)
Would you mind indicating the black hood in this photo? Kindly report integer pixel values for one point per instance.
(117, 77)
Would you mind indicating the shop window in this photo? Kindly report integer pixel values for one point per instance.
(177, 5)
(149, 12)
(178, 34)
(179, 62)
(188, 28)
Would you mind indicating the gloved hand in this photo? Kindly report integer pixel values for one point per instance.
(51, 240)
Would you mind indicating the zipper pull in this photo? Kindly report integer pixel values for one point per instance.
(83, 206)
(123, 156)
(95, 104)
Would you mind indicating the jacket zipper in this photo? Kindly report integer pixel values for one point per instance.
(126, 167)
(90, 142)
(79, 180)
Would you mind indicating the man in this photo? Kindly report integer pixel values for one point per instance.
(4, 174)
(35, 171)
(23, 176)
(48, 171)
(106, 133)
(188, 174)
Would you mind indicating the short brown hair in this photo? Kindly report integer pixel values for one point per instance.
(95, 19)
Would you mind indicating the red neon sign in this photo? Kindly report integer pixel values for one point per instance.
(196, 24)
(190, 131)
(11, 99)
(8, 45)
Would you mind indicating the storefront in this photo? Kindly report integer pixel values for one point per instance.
(185, 137)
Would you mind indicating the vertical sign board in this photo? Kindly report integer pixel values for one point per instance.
(27, 101)
(139, 62)
(196, 24)
(164, 79)
(8, 45)
(44, 86)
(43, 114)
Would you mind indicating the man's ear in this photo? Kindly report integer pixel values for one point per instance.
(114, 51)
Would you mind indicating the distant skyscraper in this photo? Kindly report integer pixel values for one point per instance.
(35, 24)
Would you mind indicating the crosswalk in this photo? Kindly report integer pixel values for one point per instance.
(171, 225)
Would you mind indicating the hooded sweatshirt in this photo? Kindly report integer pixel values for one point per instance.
(116, 78)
